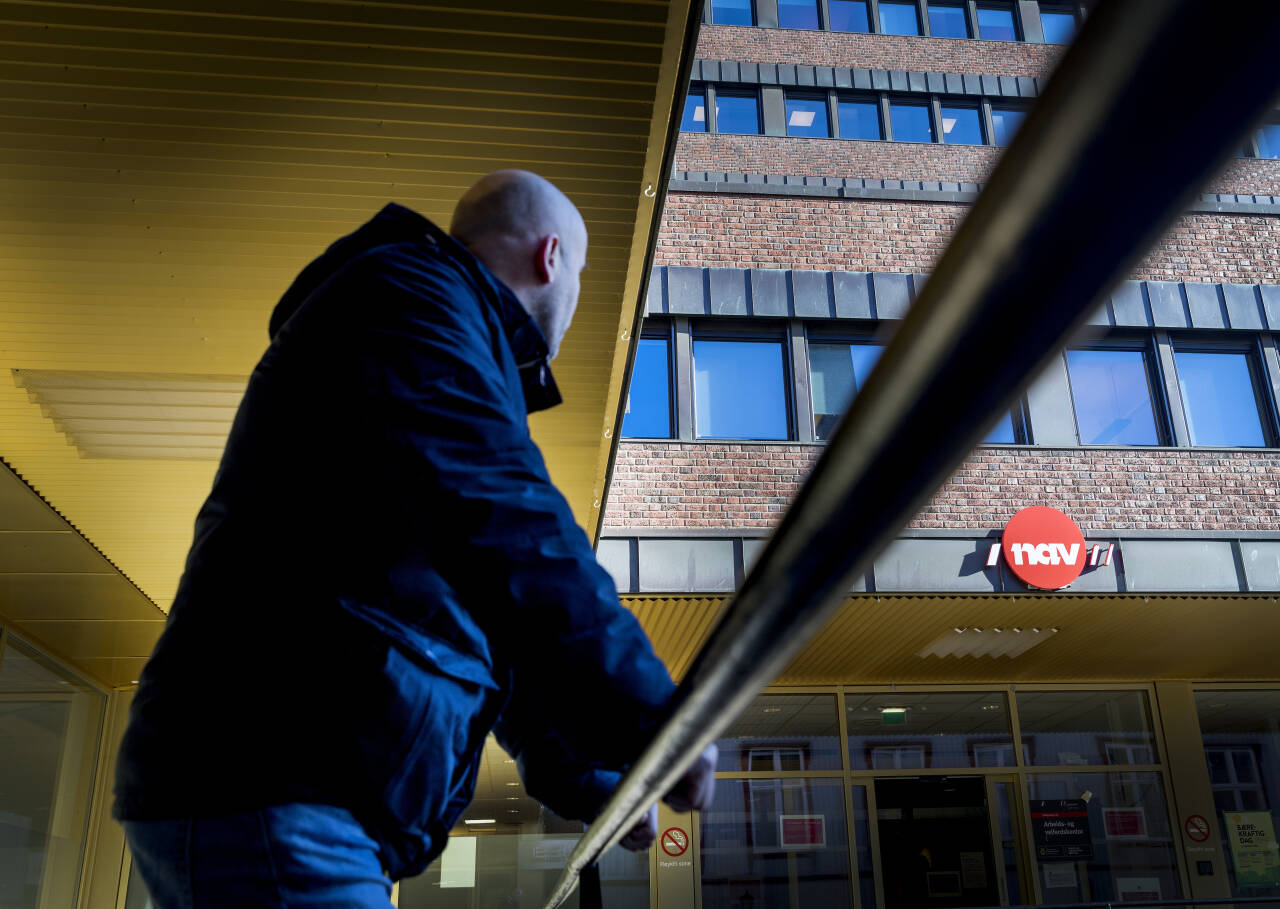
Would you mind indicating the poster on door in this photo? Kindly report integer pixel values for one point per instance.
(1061, 829)
(1252, 837)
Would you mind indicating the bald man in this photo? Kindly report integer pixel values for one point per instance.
(382, 574)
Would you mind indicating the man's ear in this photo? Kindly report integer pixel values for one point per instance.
(548, 258)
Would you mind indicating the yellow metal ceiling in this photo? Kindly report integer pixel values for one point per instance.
(166, 168)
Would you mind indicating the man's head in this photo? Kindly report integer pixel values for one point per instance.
(532, 237)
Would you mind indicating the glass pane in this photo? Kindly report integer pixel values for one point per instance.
(836, 372)
(1241, 732)
(779, 842)
(1003, 433)
(732, 12)
(738, 390)
(648, 413)
(695, 112)
(1269, 141)
(1008, 842)
(1112, 397)
(918, 730)
(1086, 727)
(737, 112)
(995, 22)
(849, 15)
(910, 122)
(1218, 394)
(1006, 122)
(783, 732)
(899, 18)
(862, 845)
(1059, 26)
(50, 724)
(798, 13)
(961, 126)
(859, 120)
(1120, 834)
(808, 117)
(947, 20)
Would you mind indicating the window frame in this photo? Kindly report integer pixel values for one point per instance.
(751, 8)
(1253, 349)
(827, 332)
(963, 6)
(856, 98)
(967, 103)
(820, 9)
(928, 102)
(1003, 105)
(1019, 33)
(819, 97)
(658, 328)
(1156, 386)
(704, 329)
(707, 100)
(1060, 7)
(733, 90)
(922, 19)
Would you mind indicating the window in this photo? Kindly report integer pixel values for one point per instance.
(916, 730)
(1269, 139)
(807, 116)
(1011, 430)
(1059, 22)
(783, 732)
(898, 18)
(961, 125)
(836, 372)
(859, 119)
(732, 12)
(848, 16)
(1220, 395)
(648, 413)
(1005, 121)
(1086, 727)
(947, 20)
(995, 22)
(1111, 390)
(739, 391)
(695, 111)
(798, 13)
(737, 111)
(910, 122)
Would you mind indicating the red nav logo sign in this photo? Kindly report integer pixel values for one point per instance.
(1043, 547)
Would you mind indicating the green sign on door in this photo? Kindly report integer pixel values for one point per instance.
(1252, 837)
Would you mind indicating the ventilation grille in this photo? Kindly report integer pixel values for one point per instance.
(987, 642)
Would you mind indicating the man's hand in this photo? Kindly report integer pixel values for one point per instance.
(641, 836)
(692, 792)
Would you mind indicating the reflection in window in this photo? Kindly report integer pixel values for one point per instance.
(737, 112)
(1059, 23)
(995, 21)
(1086, 727)
(859, 119)
(897, 18)
(1005, 121)
(1269, 141)
(783, 732)
(1112, 395)
(849, 15)
(910, 122)
(915, 731)
(732, 12)
(798, 13)
(695, 112)
(961, 125)
(836, 372)
(648, 410)
(738, 390)
(947, 20)
(807, 116)
(1219, 395)
(862, 842)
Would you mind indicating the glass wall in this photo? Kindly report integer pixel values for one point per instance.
(50, 728)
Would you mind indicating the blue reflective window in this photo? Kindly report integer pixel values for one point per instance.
(1005, 121)
(1111, 390)
(695, 112)
(648, 413)
(732, 12)
(836, 373)
(961, 126)
(947, 20)
(1269, 141)
(1219, 394)
(995, 22)
(849, 15)
(1059, 25)
(807, 117)
(798, 13)
(910, 122)
(899, 18)
(738, 112)
(859, 120)
(738, 390)
(1003, 433)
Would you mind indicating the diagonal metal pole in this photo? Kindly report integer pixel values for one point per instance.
(1148, 102)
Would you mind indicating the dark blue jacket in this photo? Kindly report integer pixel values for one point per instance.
(383, 570)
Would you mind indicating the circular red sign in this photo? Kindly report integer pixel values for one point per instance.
(1043, 547)
(674, 841)
(1197, 828)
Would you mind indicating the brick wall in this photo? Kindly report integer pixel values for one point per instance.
(948, 55)
(672, 484)
(750, 231)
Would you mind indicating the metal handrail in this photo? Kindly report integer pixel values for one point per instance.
(1088, 185)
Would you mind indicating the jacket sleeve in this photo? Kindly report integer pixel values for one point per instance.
(587, 688)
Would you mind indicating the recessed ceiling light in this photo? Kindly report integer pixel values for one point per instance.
(513, 784)
(773, 710)
(801, 118)
(480, 820)
(893, 709)
(948, 124)
(699, 114)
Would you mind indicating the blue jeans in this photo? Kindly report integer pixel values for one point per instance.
(284, 856)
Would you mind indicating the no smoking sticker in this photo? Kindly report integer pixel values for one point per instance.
(1197, 828)
(674, 841)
